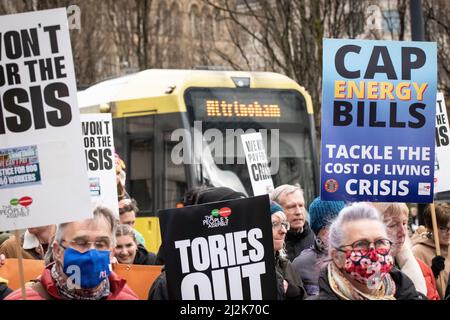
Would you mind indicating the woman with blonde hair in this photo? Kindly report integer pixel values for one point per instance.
(128, 251)
(395, 217)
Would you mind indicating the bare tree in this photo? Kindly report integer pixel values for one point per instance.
(437, 28)
(286, 36)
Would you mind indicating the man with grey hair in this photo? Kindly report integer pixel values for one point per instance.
(300, 235)
(81, 268)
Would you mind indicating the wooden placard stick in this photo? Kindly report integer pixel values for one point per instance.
(20, 261)
(436, 242)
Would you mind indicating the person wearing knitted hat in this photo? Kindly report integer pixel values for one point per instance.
(289, 283)
(310, 261)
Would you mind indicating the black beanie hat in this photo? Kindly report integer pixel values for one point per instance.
(218, 194)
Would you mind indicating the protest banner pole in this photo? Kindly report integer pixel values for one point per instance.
(436, 242)
(19, 255)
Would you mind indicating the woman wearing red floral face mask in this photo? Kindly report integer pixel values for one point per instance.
(361, 267)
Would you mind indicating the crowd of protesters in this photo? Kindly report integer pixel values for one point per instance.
(353, 251)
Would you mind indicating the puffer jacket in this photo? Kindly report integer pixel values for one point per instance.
(296, 242)
(308, 265)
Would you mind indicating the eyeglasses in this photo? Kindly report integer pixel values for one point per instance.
(278, 225)
(82, 245)
(382, 246)
(444, 229)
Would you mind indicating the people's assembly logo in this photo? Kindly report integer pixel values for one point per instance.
(331, 185)
(217, 218)
(17, 207)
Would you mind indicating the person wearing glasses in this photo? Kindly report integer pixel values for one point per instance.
(361, 267)
(81, 268)
(300, 235)
(395, 217)
(289, 283)
(424, 247)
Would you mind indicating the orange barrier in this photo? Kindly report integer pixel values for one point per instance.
(139, 278)
(10, 271)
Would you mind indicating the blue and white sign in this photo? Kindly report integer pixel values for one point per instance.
(378, 120)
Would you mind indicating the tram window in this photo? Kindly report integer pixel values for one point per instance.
(141, 163)
(141, 125)
(175, 183)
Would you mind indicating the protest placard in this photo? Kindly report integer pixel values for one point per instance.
(219, 251)
(98, 143)
(257, 164)
(378, 111)
(442, 167)
(43, 176)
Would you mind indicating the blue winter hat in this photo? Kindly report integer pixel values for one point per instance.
(275, 207)
(323, 212)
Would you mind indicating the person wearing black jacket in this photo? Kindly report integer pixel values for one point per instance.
(361, 266)
(289, 283)
(197, 195)
(128, 251)
(4, 289)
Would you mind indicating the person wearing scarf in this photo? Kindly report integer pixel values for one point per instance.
(361, 266)
(81, 269)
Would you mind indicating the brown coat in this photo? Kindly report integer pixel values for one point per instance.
(8, 248)
(425, 250)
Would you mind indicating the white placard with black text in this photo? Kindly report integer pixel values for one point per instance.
(442, 162)
(257, 164)
(98, 143)
(43, 176)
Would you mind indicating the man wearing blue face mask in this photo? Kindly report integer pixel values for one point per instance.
(81, 271)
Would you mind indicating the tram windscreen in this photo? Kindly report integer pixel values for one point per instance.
(281, 117)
